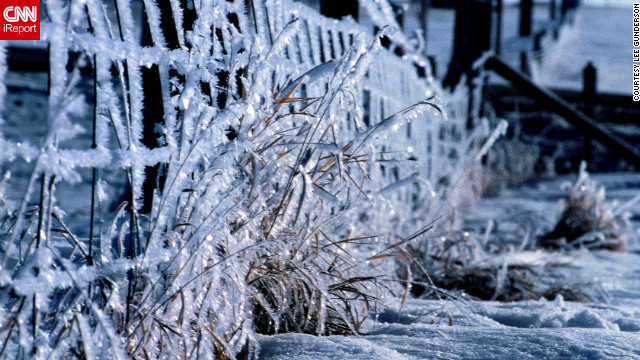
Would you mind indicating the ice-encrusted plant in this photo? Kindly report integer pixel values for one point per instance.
(513, 267)
(588, 220)
(479, 266)
(278, 205)
(261, 221)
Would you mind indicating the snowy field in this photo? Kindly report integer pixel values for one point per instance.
(608, 328)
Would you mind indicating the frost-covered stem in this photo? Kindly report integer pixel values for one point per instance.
(49, 210)
(94, 171)
(94, 176)
(118, 20)
(34, 319)
(20, 218)
(131, 255)
(126, 81)
(123, 73)
(13, 325)
(268, 23)
(129, 296)
(39, 238)
(40, 234)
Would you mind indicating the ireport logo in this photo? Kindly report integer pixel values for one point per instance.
(20, 20)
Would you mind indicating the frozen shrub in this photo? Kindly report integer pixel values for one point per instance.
(278, 199)
(587, 219)
(464, 263)
(287, 182)
(287, 299)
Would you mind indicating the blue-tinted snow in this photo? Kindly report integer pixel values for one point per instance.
(535, 329)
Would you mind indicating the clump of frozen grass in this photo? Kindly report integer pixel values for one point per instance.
(259, 226)
(290, 297)
(483, 267)
(588, 220)
(279, 211)
(468, 265)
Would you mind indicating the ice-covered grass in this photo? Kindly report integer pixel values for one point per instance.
(506, 266)
(588, 220)
(289, 181)
(510, 265)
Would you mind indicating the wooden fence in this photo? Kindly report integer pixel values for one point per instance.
(436, 140)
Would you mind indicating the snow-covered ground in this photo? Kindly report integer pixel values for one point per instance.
(608, 328)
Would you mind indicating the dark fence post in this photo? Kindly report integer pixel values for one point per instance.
(552, 10)
(537, 41)
(526, 9)
(424, 17)
(337, 9)
(555, 104)
(472, 38)
(524, 63)
(498, 35)
(153, 106)
(588, 99)
(589, 84)
(566, 6)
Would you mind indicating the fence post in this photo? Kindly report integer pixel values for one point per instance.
(526, 8)
(552, 10)
(498, 35)
(565, 6)
(424, 17)
(588, 100)
(472, 38)
(537, 41)
(524, 63)
(153, 105)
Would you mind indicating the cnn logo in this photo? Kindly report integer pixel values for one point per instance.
(20, 20)
(25, 13)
